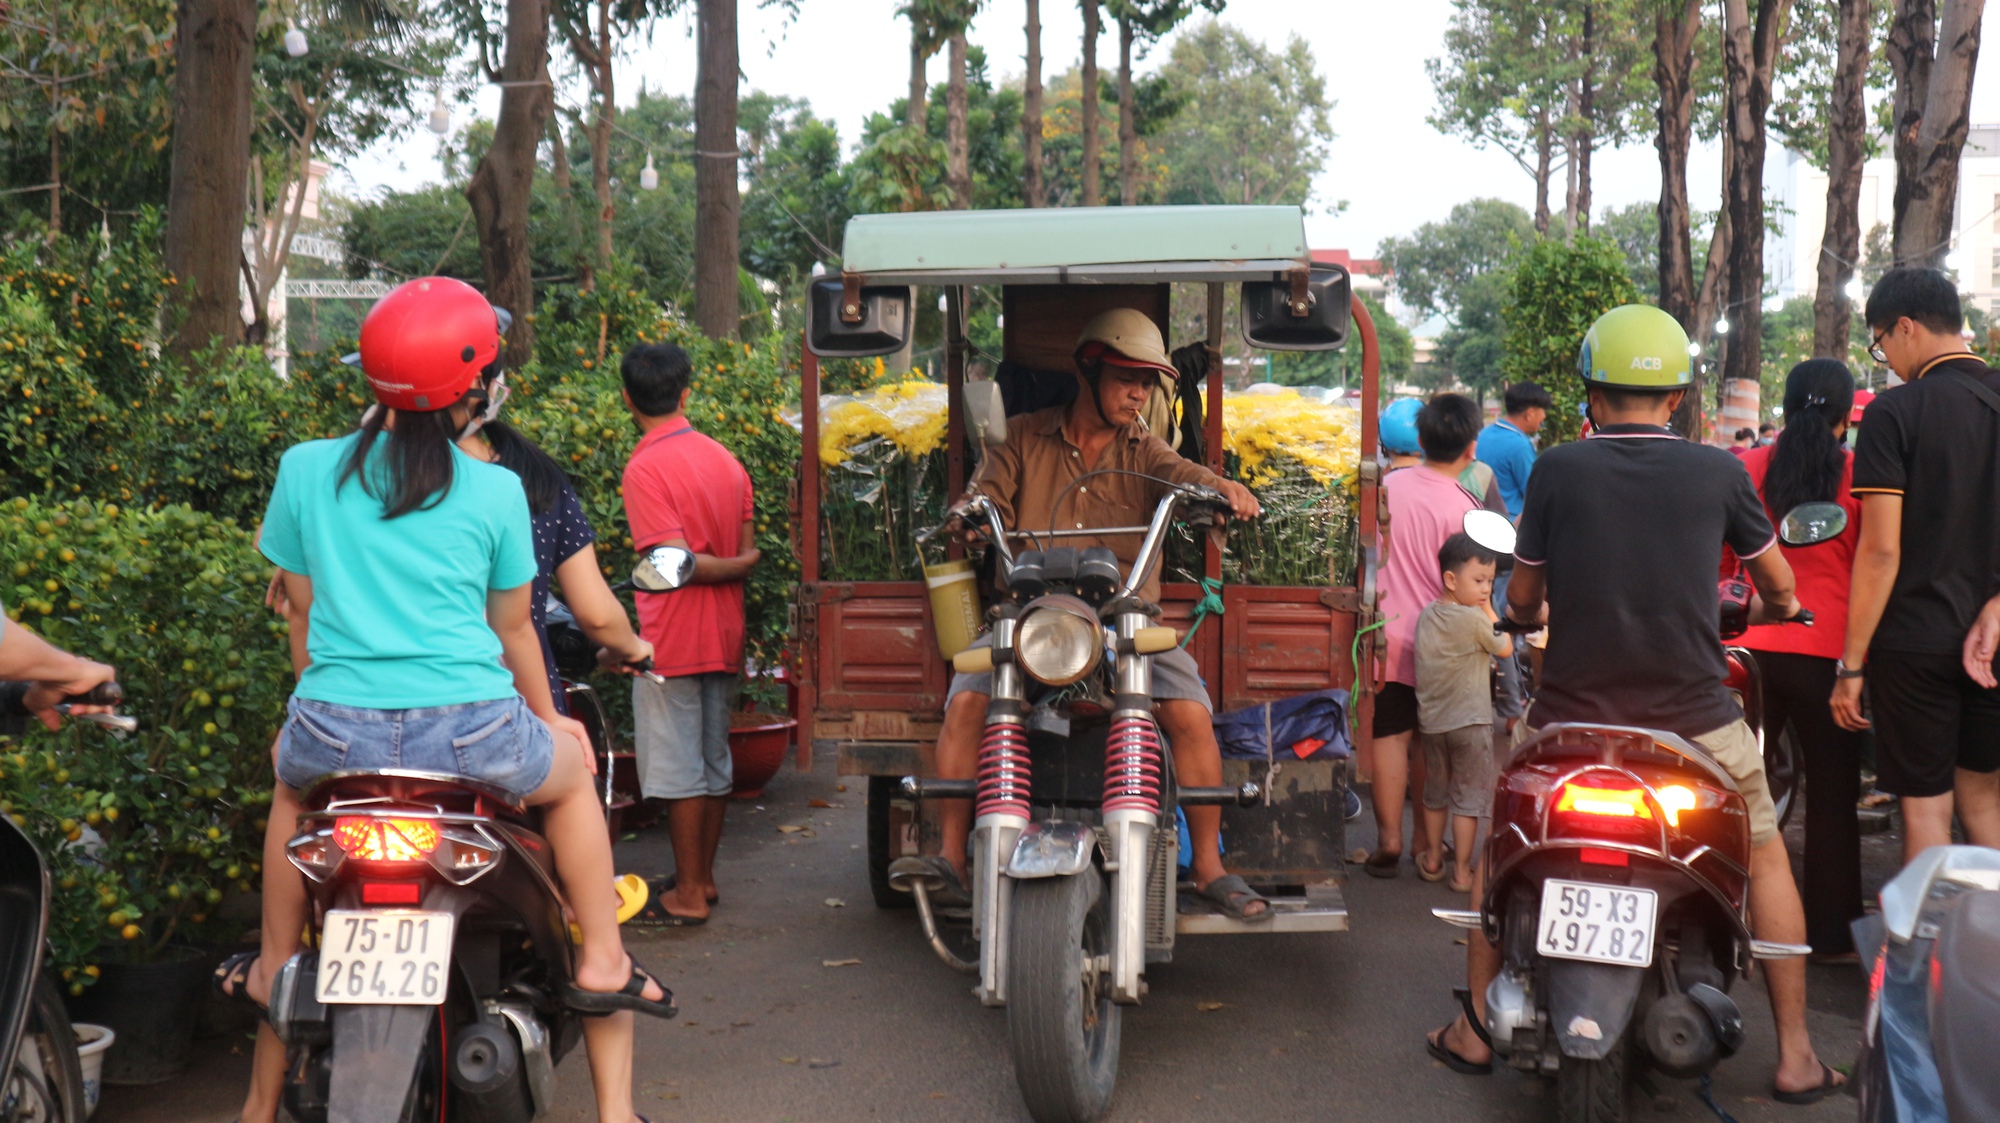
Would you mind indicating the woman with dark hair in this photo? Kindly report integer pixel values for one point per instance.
(565, 553)
(1809, 464)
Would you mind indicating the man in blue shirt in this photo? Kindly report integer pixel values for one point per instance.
(1508, 446)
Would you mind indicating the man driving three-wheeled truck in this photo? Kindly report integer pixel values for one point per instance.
(1026, 797)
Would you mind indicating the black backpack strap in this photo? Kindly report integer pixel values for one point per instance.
(1979, 389)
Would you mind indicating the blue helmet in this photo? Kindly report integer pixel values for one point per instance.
(1399, 427)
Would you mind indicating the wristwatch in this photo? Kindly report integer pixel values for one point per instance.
(1842, 671)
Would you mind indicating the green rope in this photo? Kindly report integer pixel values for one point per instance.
(1354, 657)
(1210, 604)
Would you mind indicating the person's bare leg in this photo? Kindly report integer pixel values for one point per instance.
(267, 1078)
(286, 908)
(1778, 914)
(713, 809)
(1482, 963)
(607, 1042)
(1926, 823)
(1423, 840)
(1977, 795)
(573, 820)
(958, 759)
(1392, 777)
(1435, 820)
(687, 828)
(1198, 764)
(1464, 839)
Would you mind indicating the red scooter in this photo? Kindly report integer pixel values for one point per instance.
(1618, 893)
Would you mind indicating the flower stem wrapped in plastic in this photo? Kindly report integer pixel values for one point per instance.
(883, 477)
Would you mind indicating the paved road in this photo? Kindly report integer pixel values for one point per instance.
(1311, 1027)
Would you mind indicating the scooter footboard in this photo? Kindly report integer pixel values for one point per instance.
(1590, 1005)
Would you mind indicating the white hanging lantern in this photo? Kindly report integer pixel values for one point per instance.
(295, 40)
(1722, 326)
(440, 122)
(649, 177)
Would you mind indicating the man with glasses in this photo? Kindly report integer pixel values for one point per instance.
(1928, 460)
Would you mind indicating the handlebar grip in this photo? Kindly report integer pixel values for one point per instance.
(1508, 627)
(641, 665)
(1802, 616)
(103, 694)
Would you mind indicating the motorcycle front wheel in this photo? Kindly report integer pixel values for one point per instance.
(1061, 1022)
(1594, 1091)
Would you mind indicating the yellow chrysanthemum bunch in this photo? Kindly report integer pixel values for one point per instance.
(1264, 429)
(910, 414)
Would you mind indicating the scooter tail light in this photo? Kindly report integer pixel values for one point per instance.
(316, 854)
(1580, 798)
(1594, 856)
(392, 892)
(370, 839)
(464, 856)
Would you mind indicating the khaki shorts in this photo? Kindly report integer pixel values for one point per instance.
(1458, 770)
(1734, 747)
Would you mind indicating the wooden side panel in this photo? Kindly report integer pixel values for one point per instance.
(1282, 641)
(876, 650)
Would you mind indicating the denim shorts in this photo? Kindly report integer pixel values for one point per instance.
(501, 742)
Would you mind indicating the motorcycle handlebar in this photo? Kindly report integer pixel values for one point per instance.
(103, 694)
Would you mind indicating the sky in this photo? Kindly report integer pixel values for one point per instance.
(850, 58)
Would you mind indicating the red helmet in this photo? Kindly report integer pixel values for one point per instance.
(424, 344)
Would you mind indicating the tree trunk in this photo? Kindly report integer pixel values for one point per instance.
(565, 184)
(213, 49)
(55, 183)
(1749, 50)
(914, 109)
(1586, 111)
(717, 205)
(1673, 72)
(600, 137)
(1544, 162)
(1928, 145)
(1128, 122)
(1031, 113)
(1093, 192)
(502, 184)
(1847, 150)
(957, 142)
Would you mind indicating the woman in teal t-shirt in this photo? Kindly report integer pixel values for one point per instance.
(409, 567)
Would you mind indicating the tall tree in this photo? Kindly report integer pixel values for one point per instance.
(1093, 191)
(592, 29)
(957, 141)
(214, 42)
(1501, 82)
(1033, 188)
(1460, 269)
(1253, 124)
(1141, 22)
(926, 36)
(1750, 46)
(1847, 150)
(1933, 60)
(1604, 56)
(1676, 23)
(502, 184)
(717, 205)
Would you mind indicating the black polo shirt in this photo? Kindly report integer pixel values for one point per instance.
(1628, 527)
(1936, 444)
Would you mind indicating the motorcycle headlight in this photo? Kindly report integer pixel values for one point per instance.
(1059, 642)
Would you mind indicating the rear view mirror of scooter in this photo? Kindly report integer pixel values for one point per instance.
(663, 569)
(1809, 524)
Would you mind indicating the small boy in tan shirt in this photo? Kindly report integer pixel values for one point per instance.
(1455, 648)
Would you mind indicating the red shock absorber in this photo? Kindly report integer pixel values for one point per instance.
(1132, 765)
(1003, 771)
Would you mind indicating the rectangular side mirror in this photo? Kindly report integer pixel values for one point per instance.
(985, 414)
(1271, 322)
(880, 325)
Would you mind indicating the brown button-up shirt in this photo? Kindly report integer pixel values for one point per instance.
(1025, 475)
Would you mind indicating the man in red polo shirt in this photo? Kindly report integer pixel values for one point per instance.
(683, 489)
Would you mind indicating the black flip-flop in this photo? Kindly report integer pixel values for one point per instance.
(1439, 1051)
(671, 882)
(232, 978)
(631, 996)
(1233, 895)
(654, 914)
(1808, 1096)
(1382, 865)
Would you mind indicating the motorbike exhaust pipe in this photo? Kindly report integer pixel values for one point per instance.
(951, 960)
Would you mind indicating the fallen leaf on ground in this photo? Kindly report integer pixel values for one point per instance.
(821, 1062)
(937, 1095)
(740, 1025)
(840, 963)
(1208, 1007)
(835, 903)
(789, 1060)
(791, 828)
(821, 803)
(840, 787)
(1358, 855)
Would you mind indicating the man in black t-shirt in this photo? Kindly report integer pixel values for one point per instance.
(1927, 470)
(1621, 540)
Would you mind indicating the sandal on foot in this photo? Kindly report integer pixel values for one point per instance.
(1234, 895)
(1434, 875)
(1435, 1046)
(1829, 1081)
(1382, 865)
(232, 978)
(631, 996)
(655, 915)
(672, 882)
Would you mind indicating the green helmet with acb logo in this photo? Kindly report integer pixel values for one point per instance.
(1636, 347)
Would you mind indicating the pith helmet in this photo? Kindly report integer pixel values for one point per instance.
(1636, 347)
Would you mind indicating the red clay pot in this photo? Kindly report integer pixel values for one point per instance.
(757, 744)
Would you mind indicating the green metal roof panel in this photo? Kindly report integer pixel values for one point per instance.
(1069, 236)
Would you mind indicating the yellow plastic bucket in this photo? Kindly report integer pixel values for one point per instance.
(954, 605)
